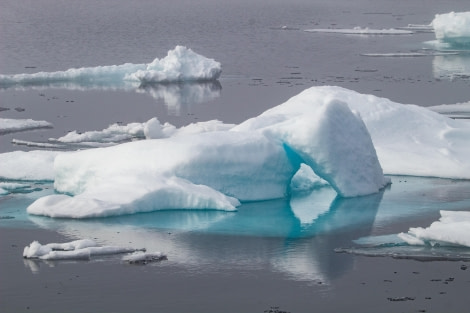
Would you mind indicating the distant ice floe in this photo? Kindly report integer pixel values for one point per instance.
(424, 53)
(74, 250)
(452, 28)
(457, 110)
(180, 65)
(9, 187)
(8, 125)
(361, 31)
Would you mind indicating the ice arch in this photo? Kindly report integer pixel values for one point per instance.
(255, 160)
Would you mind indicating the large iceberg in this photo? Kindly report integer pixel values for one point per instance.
(255, 160)
(215, 166)
(452, 28)
(180, 65)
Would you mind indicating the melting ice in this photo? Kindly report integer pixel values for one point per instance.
(180, 65)
(214, 165)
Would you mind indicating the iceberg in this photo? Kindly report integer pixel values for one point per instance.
(346, 138)
(180, 65)
(9, 125)
(452, 28)
(253, 161)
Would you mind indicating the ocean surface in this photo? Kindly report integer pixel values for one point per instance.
(266, 58)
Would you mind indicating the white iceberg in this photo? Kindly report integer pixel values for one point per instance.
(28, 165)
(78, 249)
(180, 65)
(257, 160)
(452, 28)
(452, 229)
(9, 125)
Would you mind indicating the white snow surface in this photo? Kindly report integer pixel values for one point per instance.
(452, 229)
(31, 165)
(361, 31)
(78, 249)
(8, 125)
(256, 160)
(453, 27)
(180, 65)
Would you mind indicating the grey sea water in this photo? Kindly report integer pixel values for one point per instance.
(266, 58)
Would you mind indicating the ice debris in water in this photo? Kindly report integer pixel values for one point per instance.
(142, 257)
(180, 65)
(78, 249)
(9, 125)
(452, 229)
(453, 27)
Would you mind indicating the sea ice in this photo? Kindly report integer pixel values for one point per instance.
(141, 257)
(31, 165)
(8, 125)
(452, 28)
(215, 165)
(361, 31)
(180, 65)
(453, 228)
(78, 249)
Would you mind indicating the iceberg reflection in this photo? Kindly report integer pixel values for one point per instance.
(451, 67)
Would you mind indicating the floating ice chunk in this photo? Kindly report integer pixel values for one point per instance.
(408, 54)
(79, 249)
(453, 27)
(7, 187)
(457, 110)
(180, 65)
(453, 228)
(32, 165)
(361, 31)
(141, 257)
(8, 125)
(305, 180)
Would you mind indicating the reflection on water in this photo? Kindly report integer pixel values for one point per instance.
(452, 67)
(296, 237)
(176, 96)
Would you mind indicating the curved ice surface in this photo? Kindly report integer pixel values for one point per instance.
(180, 65)
(452, 28)
(361, 31)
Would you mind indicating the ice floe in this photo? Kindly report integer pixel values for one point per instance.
(361, 31)
(215, 165)
(9, 125)
(141, 257)
(31, 165)
(180, 65)
(452, 28)
(453, 228)
(78, 249)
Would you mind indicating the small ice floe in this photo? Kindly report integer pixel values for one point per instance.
(9, 125)
(361, 31)
(75, 250)
(142, 257)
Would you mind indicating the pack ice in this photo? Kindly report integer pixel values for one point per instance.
(180, 65)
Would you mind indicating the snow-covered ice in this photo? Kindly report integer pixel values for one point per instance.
(78, 249)
(453, 228)
(452, 28)
(141, 257)
(9, 125)
(361, 31)
(180, 65)
(215, 165)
